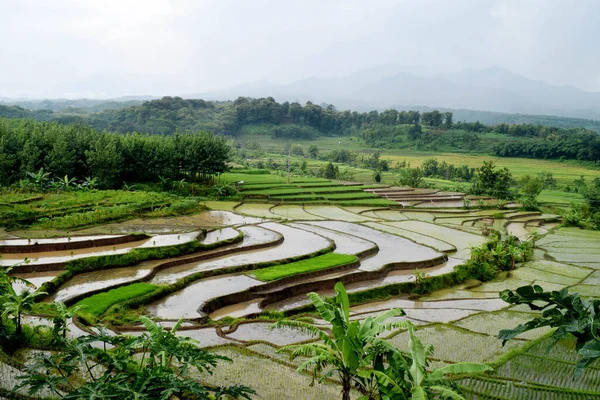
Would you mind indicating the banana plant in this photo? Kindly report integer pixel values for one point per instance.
(403, 376)
(66, 183)
(40, 178)
(15, 304)
(89, 183)
(351, 347)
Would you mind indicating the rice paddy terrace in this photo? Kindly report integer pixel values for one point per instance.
(220, 269)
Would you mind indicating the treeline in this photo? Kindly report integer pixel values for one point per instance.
(575, 145)
(79, 152)
(426, 130)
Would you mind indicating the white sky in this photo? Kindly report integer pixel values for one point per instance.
(104, 48)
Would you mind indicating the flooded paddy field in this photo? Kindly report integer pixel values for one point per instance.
(394, 245)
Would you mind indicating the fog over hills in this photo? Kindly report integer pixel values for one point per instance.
(491, 89)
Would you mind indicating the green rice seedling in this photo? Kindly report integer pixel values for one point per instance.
(453, 344)
(546, 371)
(491, 323)
(326, 261)
(529, 274)
(272, 380)
(97, 304)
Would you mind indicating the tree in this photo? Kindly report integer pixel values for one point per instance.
(547, 179)
(156, 365)
(531, 187)
(568, 313)
(330, 171)
(412, 177)
(414, 133)
(61, 159)
(297, 150)
(313, 151)
(14, 304)
(492, 182)
(351, 347)
(104, 160)
(377, 176)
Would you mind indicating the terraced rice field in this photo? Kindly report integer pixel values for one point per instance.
(270, 269)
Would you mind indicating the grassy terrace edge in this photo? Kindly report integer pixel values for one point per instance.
(180, 284)
(133, 257)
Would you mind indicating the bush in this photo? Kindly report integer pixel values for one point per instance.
(499, 254)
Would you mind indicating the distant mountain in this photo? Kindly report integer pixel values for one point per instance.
(493, 89)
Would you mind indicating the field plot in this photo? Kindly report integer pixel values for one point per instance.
(392, 249)
(326, 261)
(271, 379)
(319, 192)
(58, 258)
(462, 241)
(415, 237)
(256, 210)
(345, 244)
(336, 213)
(470, 347)
(296, 243)
(326, 237)
(294, 212)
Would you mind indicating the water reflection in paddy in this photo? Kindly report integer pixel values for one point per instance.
(220, 235)
(83, 283)
(391, 248)
(237, 310)
(72, 239)
(185, 303)
(345, 244)
(37, 279)
(297, 242)
(396, 276)
(263, 331)
(53, 257)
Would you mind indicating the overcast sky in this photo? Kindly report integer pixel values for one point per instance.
(99, 48)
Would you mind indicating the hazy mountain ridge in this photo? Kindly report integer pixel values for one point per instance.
(491, 89)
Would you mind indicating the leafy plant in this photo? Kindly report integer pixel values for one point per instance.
(40, 178)
(569, 313)
(60, 326)
(401, 376)
(351, 346)
(367, 363)
(15, 304)
(156, 365)
(66, 183)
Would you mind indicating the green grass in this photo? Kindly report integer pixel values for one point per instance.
(559, 197)
(565, 172)
(326, 261)
(97, 304)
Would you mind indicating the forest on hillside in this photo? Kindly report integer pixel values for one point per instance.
(411, 129)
